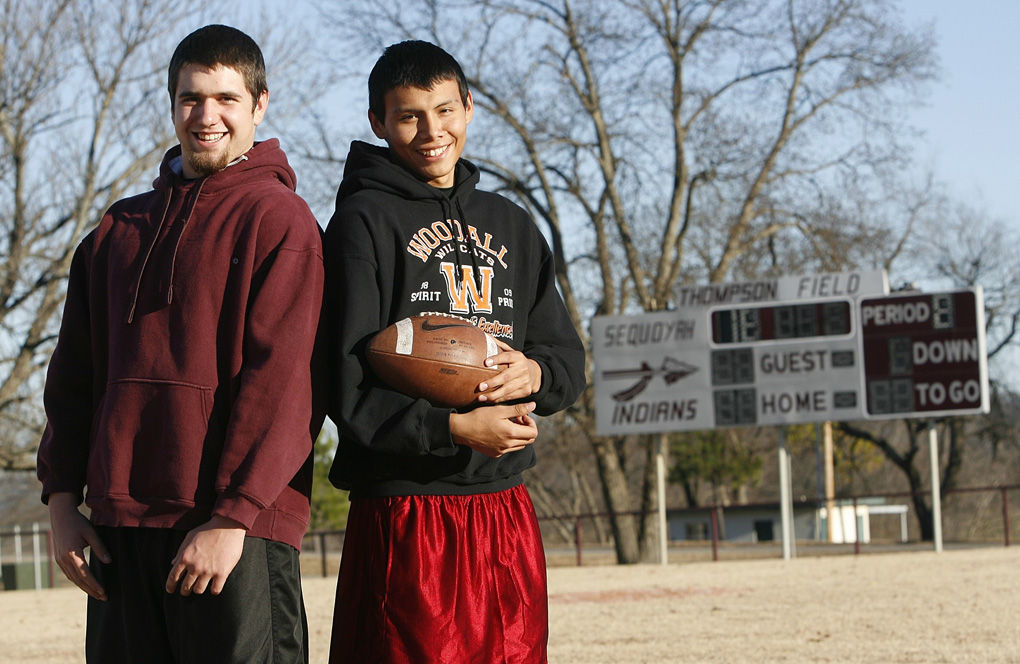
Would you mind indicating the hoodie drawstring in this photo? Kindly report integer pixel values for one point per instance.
(145, 260)
(447, 204)
(184, 227)
(476, 272)
(190, 200)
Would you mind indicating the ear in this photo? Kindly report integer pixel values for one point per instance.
(260, 107)
(469, 107)
(378, 128)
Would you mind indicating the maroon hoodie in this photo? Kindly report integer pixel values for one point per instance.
(181, 385)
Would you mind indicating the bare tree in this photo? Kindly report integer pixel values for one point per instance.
(82, 119)
(906, 453)
(660, 142)
(964, 248)
(563, 486)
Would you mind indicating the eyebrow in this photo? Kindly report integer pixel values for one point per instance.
(409, 109)
(221, 93)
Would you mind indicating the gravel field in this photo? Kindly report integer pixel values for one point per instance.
(959, 606)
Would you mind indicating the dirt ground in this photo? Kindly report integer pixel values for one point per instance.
(959, 606)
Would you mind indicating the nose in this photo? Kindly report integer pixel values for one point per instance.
(430, 125)
(205, 111)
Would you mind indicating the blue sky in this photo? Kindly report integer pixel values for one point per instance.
(972, 116)
(972, 120)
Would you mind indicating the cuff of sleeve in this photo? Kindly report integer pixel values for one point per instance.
(546, 401)
(238, 508)
(435, 433)
(49, 490)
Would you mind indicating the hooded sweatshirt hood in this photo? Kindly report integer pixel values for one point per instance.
(377, 168)
(264, 164)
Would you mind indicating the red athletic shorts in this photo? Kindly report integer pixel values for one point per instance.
(452, 579)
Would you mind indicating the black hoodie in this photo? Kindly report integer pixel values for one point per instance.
(397, 247)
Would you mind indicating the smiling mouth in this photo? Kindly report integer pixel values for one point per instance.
(210, 137)
(435, 152)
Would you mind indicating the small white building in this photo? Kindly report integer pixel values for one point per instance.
(762, 523)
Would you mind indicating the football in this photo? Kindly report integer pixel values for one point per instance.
(438, 357)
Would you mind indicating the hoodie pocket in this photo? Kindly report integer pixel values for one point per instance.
(150, 442)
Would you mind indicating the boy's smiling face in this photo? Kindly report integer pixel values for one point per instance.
(215, 117)
(427, 129)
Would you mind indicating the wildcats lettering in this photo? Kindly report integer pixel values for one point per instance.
(427, 239)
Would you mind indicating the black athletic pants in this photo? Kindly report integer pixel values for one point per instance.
(259, 617)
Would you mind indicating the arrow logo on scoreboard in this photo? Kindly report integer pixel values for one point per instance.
(671, 371)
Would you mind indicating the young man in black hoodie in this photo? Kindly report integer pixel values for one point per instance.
(443, 559)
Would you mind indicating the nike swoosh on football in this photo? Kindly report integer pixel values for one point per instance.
(429, 327)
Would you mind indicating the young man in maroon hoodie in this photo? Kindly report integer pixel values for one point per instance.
(179, 395)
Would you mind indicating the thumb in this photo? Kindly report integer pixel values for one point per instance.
(522, 409)
(96, 544)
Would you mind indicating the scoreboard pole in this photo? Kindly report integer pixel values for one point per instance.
(936, 487)
(830, 482)
(785, 497)
(660, 473)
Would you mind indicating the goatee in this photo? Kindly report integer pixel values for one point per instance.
(204, 163)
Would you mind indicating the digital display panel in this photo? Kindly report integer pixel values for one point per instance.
(732, 367)
(734, 407)
(791, 321)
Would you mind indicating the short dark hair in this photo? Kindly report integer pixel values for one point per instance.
(220, 45)
(412, 63)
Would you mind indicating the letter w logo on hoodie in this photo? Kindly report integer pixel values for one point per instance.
(468, 289)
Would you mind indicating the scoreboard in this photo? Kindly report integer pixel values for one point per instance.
(924, 354)
(784, 363)
(851, 357)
